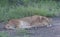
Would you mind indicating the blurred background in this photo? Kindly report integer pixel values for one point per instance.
(21, 8)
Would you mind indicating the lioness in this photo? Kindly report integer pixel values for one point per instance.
(28, 22)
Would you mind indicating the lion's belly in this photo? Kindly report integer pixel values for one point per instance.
(24, 24)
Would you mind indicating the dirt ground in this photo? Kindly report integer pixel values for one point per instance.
(53, 31)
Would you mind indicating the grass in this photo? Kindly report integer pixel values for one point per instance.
(3, 34)
(21, 32)
(43, 8)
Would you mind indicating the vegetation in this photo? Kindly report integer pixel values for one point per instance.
(22, 32)
(3, 34)
(20, 8)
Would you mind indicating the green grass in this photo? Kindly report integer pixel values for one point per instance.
(3, 34)
(21, 32)
(49, 8)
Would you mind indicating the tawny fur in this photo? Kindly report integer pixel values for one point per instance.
(28, 22)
